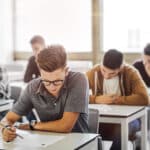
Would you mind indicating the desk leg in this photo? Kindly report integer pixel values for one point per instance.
(144, 131)
(124, 134)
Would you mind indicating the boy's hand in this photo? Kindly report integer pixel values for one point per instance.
(9, 133)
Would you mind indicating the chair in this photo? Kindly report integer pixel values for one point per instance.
(94, 125)
(15, 93)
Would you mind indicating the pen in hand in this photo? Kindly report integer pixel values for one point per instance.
(8, 127)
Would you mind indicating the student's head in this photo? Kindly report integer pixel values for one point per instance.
(37, 43)
(52, 64)
(112, 62)
(146, 56)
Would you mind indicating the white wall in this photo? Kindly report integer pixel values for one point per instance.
(6, 31)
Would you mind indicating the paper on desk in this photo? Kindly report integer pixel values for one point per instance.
(105, 107)
(101, 108)
(35, 140)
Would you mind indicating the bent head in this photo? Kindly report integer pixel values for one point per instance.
(53, 81)
(112, 63)
(37, 43)
(52, 63)
(109, 73)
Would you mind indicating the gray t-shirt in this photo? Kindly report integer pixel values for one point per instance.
(73, 97)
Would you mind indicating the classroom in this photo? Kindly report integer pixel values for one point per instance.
(74, 75)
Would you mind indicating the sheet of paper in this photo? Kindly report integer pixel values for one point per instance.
(101, 108)
(33, 140)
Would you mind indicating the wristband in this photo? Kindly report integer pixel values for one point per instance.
(32, 123)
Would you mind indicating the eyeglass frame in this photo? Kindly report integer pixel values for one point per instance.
(52, 82)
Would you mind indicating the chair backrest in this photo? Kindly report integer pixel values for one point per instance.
(93, 120)
(15, 93)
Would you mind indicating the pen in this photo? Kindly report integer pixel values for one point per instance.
(2, 125)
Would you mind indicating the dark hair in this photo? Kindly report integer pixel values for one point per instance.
(147, 49)
(37, 39)
(52, 58)
(113, 59)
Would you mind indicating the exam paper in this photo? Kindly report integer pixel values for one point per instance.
(32, 140)
(36, 140)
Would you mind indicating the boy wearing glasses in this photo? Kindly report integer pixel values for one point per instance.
(59, 96)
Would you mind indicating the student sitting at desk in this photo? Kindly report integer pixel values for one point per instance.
(59, 96)
(114, 82)
(37, 43)
(32, 71)
(143, 65)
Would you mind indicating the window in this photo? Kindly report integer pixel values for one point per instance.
(6, 31)
(126, 25)
(66, 22)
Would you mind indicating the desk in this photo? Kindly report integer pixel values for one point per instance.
(70, 141)
(6, 104)
(123, 115)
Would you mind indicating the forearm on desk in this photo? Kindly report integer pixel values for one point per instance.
(53, 126)
(133, 99)
(102, 99)
(63, 125)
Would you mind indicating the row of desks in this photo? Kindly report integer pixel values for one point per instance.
(116, 114)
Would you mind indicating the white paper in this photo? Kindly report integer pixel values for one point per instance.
(101, 108)
(33, 140)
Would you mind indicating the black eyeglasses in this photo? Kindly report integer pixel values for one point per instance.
(55, 82)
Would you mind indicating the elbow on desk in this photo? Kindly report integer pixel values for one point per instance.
(66, 131)
(146, 100)
(66, 128)
(138, 100)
